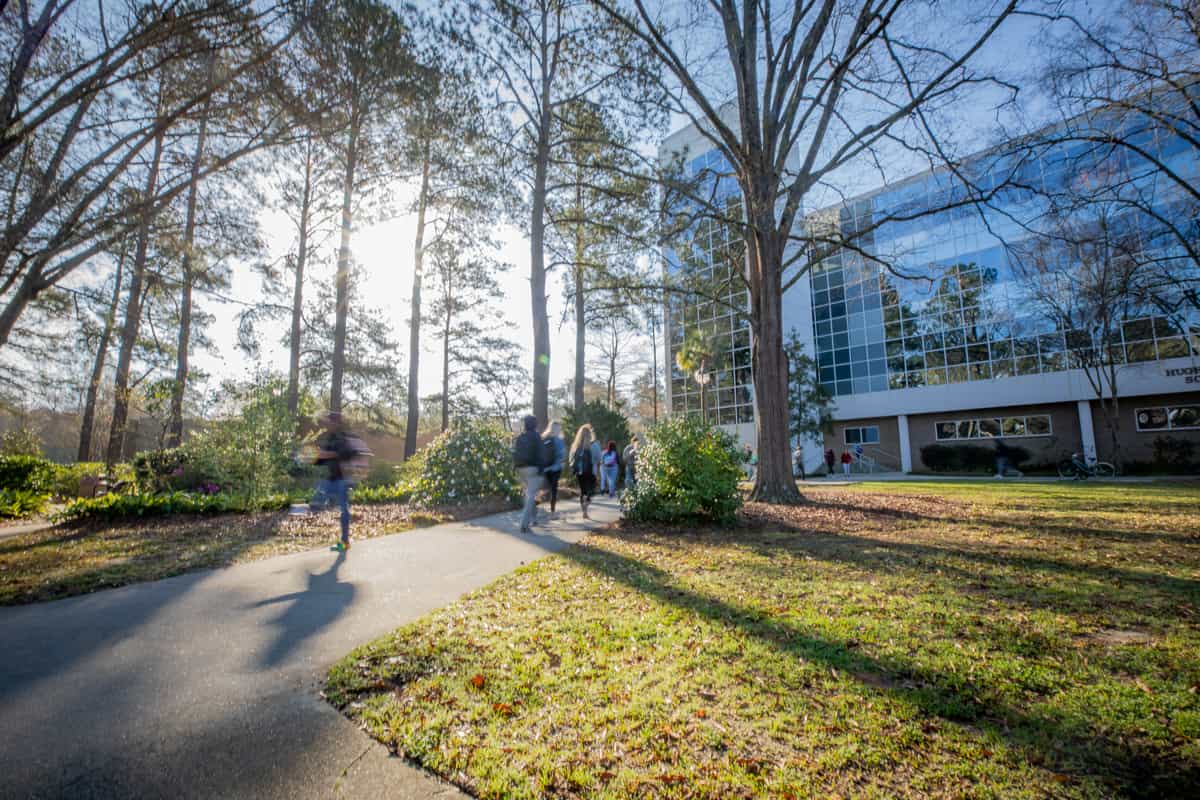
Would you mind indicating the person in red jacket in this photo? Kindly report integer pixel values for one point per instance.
(847, 460)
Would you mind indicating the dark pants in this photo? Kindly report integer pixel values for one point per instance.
(335, 491)
(587, 487)
(552, 477)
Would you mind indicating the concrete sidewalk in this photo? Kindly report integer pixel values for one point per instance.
(206, 685)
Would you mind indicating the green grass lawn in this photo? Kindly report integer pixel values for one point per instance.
(888, 640)
(78, 558)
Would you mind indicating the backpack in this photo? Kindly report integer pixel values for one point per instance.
(610, 458)
(583, 461)
(527, 450)
(354, 456)
(549, 452)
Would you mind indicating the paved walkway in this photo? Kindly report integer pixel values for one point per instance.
(206, 685)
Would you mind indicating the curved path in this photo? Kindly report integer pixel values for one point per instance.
(207, 684)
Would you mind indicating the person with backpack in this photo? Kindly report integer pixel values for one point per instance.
(345, 456)
(584, 466)
(529, 458)
(555, 451)
(610, 462)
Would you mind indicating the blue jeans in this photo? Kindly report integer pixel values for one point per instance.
(610, 480)
(331, 491)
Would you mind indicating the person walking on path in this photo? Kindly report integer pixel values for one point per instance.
(611, 462)
(597, 457)
(528, 459)
(584, 465)
(1004, 460)
(847, 460)
(630, 459)
(344, 455)
(552, 439)
(830, 459)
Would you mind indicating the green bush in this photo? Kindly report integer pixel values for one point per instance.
(122, 506)
(687, 470)
(968, 457)
(26, 473)
(17, 503)
(470, 462)
(69, 478)
(607, 424)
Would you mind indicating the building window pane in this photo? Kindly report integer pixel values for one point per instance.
(989, 427)
(870, 434)
(1037, 425)
(1014, 426)
(1185, 417)
(968, 429)
(853, 435)
(946, 430)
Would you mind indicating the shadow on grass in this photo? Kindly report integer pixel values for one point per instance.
(1131, 770)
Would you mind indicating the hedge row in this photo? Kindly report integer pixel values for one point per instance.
(968, 457)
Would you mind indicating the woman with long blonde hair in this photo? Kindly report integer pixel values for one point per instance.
(584, 465)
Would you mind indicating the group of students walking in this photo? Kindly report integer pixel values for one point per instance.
(541, 458)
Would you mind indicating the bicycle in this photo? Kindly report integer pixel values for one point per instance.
(1077, 468)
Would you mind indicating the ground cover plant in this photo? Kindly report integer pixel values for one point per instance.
(83, 557)
(917, 640)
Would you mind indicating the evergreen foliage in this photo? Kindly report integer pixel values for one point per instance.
(687, 471)
(469, 462)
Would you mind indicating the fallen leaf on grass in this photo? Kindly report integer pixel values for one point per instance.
(478, 681)
(502, 708)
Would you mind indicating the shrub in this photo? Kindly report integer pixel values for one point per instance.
(122, 506)
(1176, 455)
(968, 457)
(155, 471)
(16, 503)
(69, 478)
(20, 442)
(26, 473)
(381, 473)
(470, 462)
(606, 423)
(687, 470)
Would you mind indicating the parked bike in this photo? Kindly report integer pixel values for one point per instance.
(1078, 468)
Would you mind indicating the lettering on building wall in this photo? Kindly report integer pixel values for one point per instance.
(1189, 374)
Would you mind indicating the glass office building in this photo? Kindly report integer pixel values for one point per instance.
(925, 330)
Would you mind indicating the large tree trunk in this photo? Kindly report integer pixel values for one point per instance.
(87, 424)
(446, 372)
(414, 323)
(175, 423)
(580, 306)
(133, 317)
(537, 270)
(773, 479)
(343, 277)
(295, 340)
(26, 290)
(654, 372)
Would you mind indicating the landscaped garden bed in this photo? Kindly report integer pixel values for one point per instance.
(917, 640)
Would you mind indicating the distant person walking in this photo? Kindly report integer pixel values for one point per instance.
(528, 459)
(1004, 460)
(344, 455)
(584, 466)
(630, 458)
(611, 463)
(798, 463)
(552, 439)
(830, 460)
(847, 460)
(597, 458)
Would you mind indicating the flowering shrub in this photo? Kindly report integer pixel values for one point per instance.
(470, 462)
(687, 470)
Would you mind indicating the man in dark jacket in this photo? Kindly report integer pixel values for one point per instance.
(527, 457)
(337, 450)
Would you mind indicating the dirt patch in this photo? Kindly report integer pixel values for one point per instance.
(1111, 637)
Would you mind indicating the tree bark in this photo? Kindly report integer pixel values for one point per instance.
(414, 324)
(654, 372)
(773, 479)
(87, 424)
(446, 371)
(580, 306)
(133, 317)
(294, 341)
(537, 264)
(343, 276)
(175, 423)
